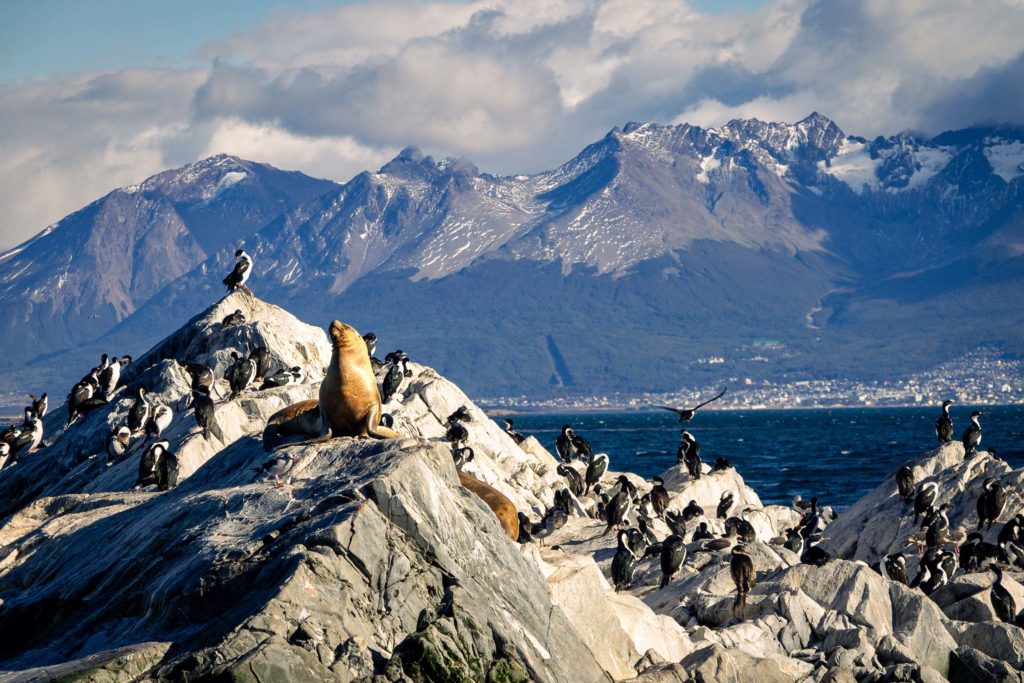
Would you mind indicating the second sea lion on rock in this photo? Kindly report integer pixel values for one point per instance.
(500, 505)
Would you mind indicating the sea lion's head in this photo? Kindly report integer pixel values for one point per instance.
(344, 336)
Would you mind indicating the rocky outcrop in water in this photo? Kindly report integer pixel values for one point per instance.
(372, 563)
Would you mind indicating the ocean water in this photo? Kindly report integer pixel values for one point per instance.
(835, 454)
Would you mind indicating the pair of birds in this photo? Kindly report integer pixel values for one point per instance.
(971, 437)
(159, 465)
(581, 484)
(17, 440)
(569, 445)
(97, 387)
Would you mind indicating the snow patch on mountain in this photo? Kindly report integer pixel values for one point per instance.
(1006, 158)
(854, 166)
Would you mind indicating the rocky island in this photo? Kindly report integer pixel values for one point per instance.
(372, 563)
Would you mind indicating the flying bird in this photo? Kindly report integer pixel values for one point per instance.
(686, 414)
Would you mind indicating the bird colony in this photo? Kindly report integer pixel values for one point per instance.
(147, 534)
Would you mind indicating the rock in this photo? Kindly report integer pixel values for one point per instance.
(715, 663)
(972, 666)
(1002, 642)
(880, 523)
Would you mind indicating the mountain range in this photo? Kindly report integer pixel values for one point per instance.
(781, 251)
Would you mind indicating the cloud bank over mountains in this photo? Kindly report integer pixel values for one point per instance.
(516, 86)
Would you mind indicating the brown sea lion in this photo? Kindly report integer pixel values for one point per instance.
(299, 419)
(349, 400)
(501, 506)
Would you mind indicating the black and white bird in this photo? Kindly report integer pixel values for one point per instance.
(724, 505)
(689, 454)
(167, 470)
(814, 554)
(201, 377)
(624, 563)
(692, 511)
(80, 394)
(370, 339)
(686, 414)
(277, 467)
(509, 429)
(741, 567)
(30, 435)
(117, 444)
(149, 461)
(676, 523)
(673, 554)
(564, 446)
(139, 414)
(975, 551)
(596, 468)
(111, 375)
(392, 379)
(944, 423)
(937, 527)
(284, 377)
(582, 446)
(905, 482)
(461, 414)
(991, 502)
(206, 417)
(894, 568)
(235, 319)
(702, 533)
(5, 453)
(240, 374)
(40, 405)
(1003, 603)
(925, 498)
(260, 356)
(659, 496)
(460, 456)
(456, 434)
(572, 477)
(618, 509)
(971, 438)
(159, 421)
(237, 278)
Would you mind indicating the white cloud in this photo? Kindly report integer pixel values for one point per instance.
(516, 86)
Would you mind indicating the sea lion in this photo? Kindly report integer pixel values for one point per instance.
(300, 419)
(501, 506)
(349, 400)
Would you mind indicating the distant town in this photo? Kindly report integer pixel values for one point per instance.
(980, 378)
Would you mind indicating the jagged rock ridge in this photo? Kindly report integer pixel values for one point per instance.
(853, 254)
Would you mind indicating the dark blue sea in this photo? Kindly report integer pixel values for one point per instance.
(835, 454)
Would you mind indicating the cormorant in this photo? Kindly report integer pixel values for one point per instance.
(905, 482)
(991, 502)
(659, 496)
(894, 568)
(741, 566)
(724, 505)
(139, 414)
(623, 564)
(233, 319)
(564, 446)
(692, 511)
(944, 423)
(673, 554)
(686, 414)
(925, 497)
(573, 478)
(972, 435)
(237, 278)
(596, 468)
(510, 430)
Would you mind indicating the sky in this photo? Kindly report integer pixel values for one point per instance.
(101, 94)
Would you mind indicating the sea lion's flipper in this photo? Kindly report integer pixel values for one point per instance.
(375, 430)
